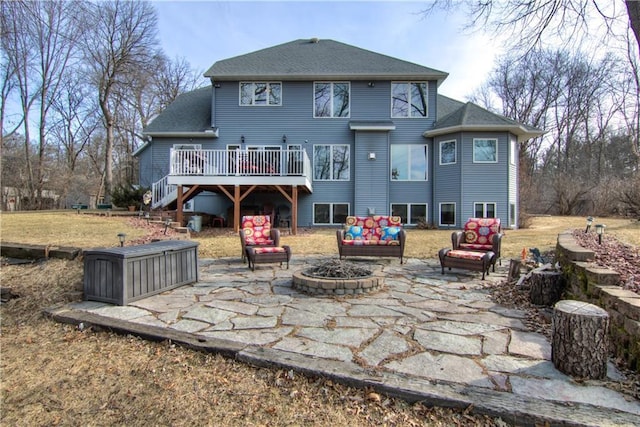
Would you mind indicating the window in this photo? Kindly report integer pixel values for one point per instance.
(410, 213)
(331, 162)
(409, 99)
(331, 99)
(485, 150)
(409, 162)
(260, 93)
(447, 152)
(484, 210)
(330, 213)
(447, 214)
(514, 153)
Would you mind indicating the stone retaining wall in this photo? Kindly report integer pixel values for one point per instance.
(586, 281)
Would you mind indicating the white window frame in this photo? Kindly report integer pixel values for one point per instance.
(409, 160)
(332, 115)
(440, 214)
(253, 94)
(476, 140)
(514, 153)
(455, 152)
(188, 206)
(409, 206)
(331, 212)
(484, 209)
(409, 114)
(332, 146)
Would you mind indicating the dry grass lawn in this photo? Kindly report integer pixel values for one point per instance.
(53, 374)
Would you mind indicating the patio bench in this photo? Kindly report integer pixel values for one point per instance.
(378, 236)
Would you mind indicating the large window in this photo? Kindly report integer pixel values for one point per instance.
(411, 213)
(484, 210)
(447, 152)
(447, 214)
(331, 99)
(260, 93)
(409, 162)
(485, 150)
(409, 99)
(330, 213)
(331, 162)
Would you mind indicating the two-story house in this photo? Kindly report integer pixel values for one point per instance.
(313, 130)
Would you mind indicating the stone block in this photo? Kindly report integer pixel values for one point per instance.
(630, 306)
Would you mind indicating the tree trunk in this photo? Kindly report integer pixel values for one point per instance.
(579, 342)
(546, 287)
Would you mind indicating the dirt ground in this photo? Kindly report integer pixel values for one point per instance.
(54, 374)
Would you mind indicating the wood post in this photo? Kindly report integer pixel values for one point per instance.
(580, 341)
(546, 287)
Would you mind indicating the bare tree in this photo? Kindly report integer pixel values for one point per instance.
(40, 39)
(73, 124)
(531, 23)
(123, 40)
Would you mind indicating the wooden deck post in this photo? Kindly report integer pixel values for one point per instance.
(179, 205)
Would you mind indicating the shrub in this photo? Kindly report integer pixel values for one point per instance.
(127, 195)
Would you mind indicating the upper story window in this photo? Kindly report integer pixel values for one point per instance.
(409, 99)
(331, 99)
(260, 93)
(447, 152)
(409, 162)
(485, 150)
(331, 162)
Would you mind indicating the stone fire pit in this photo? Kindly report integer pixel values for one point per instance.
(337, 277)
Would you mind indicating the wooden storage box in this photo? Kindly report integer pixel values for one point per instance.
(125, 274)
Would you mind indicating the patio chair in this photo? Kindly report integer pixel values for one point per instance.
(255, 230)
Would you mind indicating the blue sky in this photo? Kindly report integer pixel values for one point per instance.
(203, 32)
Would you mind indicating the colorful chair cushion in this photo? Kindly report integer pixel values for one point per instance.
(372, 230)
(257, 230)
(479, 232)
(269, 249)
(477, 256)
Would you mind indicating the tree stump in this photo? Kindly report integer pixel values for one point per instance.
(514, 270)
(579, 341)
(546, 287)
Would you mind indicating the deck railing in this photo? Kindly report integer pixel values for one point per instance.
(239, 162)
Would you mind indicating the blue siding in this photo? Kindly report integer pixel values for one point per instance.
(369, 186)
(447, 179)
(484, 182)
(371, 176)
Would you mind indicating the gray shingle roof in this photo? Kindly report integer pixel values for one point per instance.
(472, 117)
(190, 112)
(306, 59)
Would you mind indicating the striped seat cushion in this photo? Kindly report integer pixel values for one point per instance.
(268, 249)
(477, 256)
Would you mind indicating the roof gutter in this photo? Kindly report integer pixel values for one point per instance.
(521, 132)
(208, 133)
